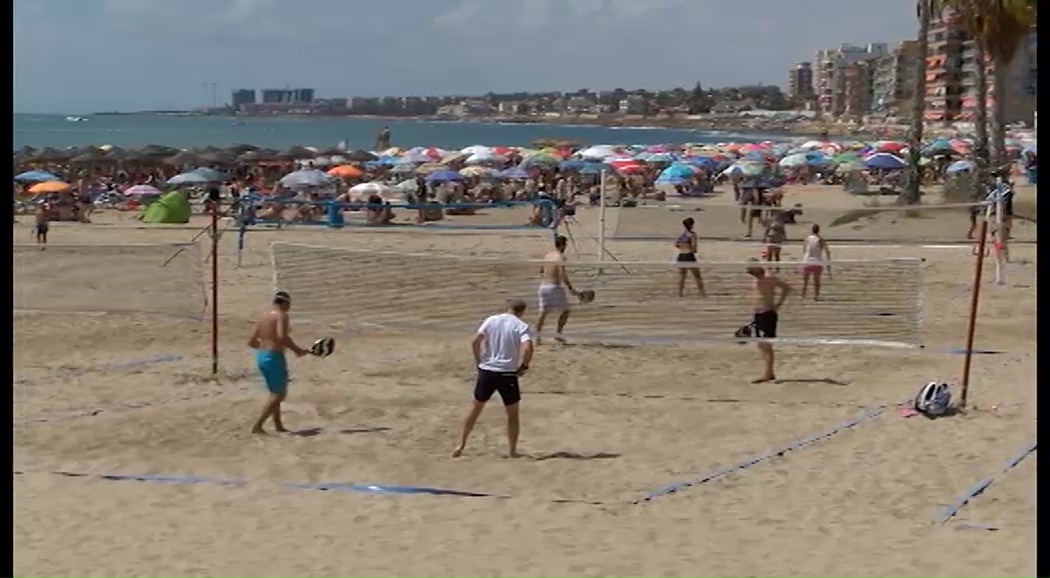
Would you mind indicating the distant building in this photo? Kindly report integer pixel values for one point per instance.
(800, 81)
(951, 75)
(894, 80)
(241, 97)
(287, 95)
(829, 67)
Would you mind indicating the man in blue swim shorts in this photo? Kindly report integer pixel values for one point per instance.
(269, 340)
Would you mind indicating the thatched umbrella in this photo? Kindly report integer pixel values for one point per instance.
(49, 155)
(91, 157)
(217, 158)
(240, 149)
(162, 151)
(183, 158)
(257, 155)
(331, 152)
(296, 152)
(361, 156)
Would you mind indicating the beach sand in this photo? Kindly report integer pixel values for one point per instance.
(603, 427)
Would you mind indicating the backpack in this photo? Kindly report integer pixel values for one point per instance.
(933, 400)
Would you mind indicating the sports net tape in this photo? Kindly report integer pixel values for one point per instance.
(163, 278)
(866, 302)
(929, 223)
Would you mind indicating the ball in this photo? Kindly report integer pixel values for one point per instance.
(586, 296)
(323, 347)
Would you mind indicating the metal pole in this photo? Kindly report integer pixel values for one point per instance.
(601, 218)
(215, 288)
(971, 325)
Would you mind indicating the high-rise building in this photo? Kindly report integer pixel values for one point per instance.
(952, 74)
(242, 96)
(831, 101)
(894, 80)
(287, 95)
(800, 81)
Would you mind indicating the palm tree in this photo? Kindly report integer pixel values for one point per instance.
(912, 193)
(1006, 24)
(972, 15)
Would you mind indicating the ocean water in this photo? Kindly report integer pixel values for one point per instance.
(184, 132)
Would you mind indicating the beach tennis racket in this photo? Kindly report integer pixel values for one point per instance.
(323, 347)
(586, 296)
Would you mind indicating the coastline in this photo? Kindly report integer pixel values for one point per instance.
(792, 128)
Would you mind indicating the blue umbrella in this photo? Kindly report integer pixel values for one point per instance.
(36, 177)
(596, 169)
(662, 180)
(307, 178)
(677, 171)
(884, 161)
(939, 145)
(211, 174)
(515, 173)
(571, 165)
(444, 176)
(705, 162)
(959, 167)
(190, 178)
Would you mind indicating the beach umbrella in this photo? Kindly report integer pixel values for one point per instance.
(476, 149)
(596, 169)
(849, 167)
(374, 188)
(36, 177)
(656, 158)
(49, 187)
(257, 156)
(811, 159)
(484, 159)
(571, 165)
(884, 161)
(183, 158)
(540, 160)
(598, 152)
(403, 169)
(361, 156)
(480, 172)
(306, 178)
(444, 176)
(845, 158)
(214, 176)
(142, 191)
(516, 174)
(959, 167)
(414, 158)
(889, 146)
(345, 172)
(747, 168)
(190, 178)
(677, 171)
(296, 152)
(427, 168)
(91, 156)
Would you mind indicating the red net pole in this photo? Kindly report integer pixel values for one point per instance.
(215, 289)
(971, 324)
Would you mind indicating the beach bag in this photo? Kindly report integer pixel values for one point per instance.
(933, 400)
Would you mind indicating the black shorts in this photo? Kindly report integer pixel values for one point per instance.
(41, 228)
(489, 382)
(687, 258)
(765, 324)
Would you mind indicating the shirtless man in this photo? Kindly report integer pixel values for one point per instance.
(554, 281)
(269, 340)
(40, 229)
(766, 303)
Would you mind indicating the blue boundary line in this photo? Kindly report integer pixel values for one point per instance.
(948, 512)
(753, 461)
(240, 483)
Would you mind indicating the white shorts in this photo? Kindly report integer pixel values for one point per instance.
(552, 298)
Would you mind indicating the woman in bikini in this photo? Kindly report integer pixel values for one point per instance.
(686, 245)
(774, 237)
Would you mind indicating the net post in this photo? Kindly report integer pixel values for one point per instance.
(971, 324)
(1000, 241)
(601, 218)
(215, 289)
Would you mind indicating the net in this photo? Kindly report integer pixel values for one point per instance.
(875, 302)
(109, 278)
(929, 223)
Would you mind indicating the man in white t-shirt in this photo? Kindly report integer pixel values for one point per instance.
(502, 351)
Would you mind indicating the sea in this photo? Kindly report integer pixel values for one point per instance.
(138, 130)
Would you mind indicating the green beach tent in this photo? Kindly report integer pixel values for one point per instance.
(171, 208)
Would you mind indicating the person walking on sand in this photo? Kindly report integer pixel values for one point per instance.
(269, 339)
(502, 350)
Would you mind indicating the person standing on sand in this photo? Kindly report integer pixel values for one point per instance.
(269, 339)
(502, 350)
(766, 307)
(42, 224)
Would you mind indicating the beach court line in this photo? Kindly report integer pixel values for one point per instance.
(948, 512)
(800, 443)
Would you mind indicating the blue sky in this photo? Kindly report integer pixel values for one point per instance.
(89, 55)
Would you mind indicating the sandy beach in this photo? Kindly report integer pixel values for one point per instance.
(603, 428)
